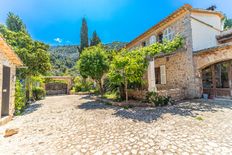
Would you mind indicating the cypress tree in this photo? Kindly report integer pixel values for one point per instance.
(15, 23)
(95, 39)
(84, 35)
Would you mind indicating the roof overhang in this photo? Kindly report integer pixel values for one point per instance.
(225, 36)
(181, 11)
(9, 53)
(171, 17)
(212, 49)
(220, 14)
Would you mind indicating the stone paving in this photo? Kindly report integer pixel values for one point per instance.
(79, 125)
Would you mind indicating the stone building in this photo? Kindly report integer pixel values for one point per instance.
(8, 63)
(202, 66)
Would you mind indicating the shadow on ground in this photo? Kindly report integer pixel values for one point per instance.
(32, 108)
(184, 108)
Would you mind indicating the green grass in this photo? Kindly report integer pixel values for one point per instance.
(110, 96)
(199, 118)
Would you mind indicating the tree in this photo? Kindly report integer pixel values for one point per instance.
(33, 54)
(130, 66)
(84, 35)
(94, 63)
(14, 23)
(127, 67)
(95, 39)
(228, 23)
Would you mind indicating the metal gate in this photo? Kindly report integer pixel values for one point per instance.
(56, 88)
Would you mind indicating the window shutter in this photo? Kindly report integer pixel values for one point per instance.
(163, 74)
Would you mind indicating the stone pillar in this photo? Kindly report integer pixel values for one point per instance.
(151, 76)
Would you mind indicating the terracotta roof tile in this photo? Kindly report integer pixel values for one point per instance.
(9, 53)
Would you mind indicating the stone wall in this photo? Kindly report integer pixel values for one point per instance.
(180, 73)
(206, 58)
(4, 61)
(176, 94)
(179, 65)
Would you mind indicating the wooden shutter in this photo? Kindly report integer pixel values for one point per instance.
(163, 74)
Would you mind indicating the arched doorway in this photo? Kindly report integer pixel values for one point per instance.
(217, 79)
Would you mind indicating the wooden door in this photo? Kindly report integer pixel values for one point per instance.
(5, 91)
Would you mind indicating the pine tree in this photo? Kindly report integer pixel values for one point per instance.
(15, 23)
(95, 39)
(84, 35)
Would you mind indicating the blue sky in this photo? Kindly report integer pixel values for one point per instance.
(59, 21)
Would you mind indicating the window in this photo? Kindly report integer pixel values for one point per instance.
(169, 34)
(207, 79)
(157, 76)
(152, 39)
(221, 75)
(160, 38)
(144, 44)
(160, 75)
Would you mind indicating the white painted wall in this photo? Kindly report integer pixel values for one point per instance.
(205, 36)
(211, 19)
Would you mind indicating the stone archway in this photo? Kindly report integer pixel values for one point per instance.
(58, 88)
(207, 57)
(206, 64)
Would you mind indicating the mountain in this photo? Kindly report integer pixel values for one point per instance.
(64, 58)
(117, 45)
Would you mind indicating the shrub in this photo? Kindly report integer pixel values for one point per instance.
(111, 95)
(38, 93)
(83, 85)
(20, 98)
(156, 100)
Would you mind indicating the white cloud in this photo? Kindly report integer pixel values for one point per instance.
(58, 40)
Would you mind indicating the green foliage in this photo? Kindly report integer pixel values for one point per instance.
(111, 95)
(199, 118)
(165, 47)
(14, 23)
(83, 85)
(130, 66)
(94, 63)
(115, 46)
(63, 59)
(156, 100)
(33, 53)
(20, 98)
(95, 39)
(84, 35)
(228, 23)
(38, 93)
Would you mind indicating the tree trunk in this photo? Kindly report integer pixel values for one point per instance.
(28, 88)
(122, 91)
(126, 90)
(101, 87)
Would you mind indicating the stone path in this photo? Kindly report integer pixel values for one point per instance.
(78, 125)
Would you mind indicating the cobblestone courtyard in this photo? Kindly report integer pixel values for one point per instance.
(79, 125)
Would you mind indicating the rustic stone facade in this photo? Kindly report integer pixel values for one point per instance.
(183, 67)
(205, 58)
(4, 61)
(8, 63)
